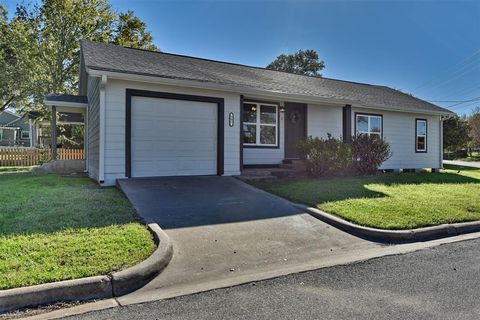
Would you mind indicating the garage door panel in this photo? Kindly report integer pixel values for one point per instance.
(173, 137)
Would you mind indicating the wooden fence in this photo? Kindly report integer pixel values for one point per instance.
(34, 156)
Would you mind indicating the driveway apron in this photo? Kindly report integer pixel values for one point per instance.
(222, 228)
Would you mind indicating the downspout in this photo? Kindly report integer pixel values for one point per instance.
(101, 131)
(85, 139)
(441, 142)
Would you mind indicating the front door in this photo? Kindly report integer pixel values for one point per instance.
(295, 127)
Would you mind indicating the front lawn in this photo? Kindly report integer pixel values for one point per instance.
(391, 201)
(57, 228)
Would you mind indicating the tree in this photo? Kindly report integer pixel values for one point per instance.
(305, 62)
(42, 46)
(16, 61)
(455, 134)
(474, 121)
(130, 31)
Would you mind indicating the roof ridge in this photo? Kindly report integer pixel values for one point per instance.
(237, 64)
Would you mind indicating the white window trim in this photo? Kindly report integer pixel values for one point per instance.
(23, 137)
(421, 135)
(258, 124)
(369, 117)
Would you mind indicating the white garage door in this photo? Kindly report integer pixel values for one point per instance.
(173, 137)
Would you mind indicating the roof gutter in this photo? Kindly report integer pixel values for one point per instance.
(246, 90)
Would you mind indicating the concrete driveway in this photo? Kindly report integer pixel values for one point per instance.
(473, 164)
(226, 232)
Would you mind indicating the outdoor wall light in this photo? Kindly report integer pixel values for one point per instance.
(282, 109)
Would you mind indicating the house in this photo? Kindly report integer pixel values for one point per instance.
(160, 114)
(16, 131)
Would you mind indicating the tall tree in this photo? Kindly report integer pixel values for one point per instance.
(42, 45)
(130, 31)
(474, 121)
(305, 62)
(455, 134)
(16, 61)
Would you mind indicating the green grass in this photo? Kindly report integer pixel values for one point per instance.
(16, 168)
(57, 228)
(392, 201)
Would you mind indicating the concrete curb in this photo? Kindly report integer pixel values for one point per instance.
(131, 279)
(383, 235)
(97, 287)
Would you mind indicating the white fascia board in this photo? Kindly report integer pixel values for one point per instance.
(79, 105)
(268, 94)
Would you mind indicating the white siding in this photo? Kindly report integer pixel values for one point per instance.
(399, 131)
(322, 119)
(115, 125)
(252, 156)
(93, 94)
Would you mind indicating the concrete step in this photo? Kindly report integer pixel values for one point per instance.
(256, 172)
(269, 178)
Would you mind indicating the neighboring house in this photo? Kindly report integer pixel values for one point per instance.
(159, 114)
(15, 131)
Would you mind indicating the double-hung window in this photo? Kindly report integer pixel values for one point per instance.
(368, 124)
(260, 124)
(420, 135)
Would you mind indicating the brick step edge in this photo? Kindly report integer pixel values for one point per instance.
(96, 287)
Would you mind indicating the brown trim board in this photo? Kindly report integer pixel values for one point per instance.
(174, 96)
(241, 132)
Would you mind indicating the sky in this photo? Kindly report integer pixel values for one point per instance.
(427, 48)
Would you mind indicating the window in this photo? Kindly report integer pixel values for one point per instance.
(421, 135)
(368, 124)
(260, 124)
(25, 134)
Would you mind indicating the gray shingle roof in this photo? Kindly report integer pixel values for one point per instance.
(108, 57)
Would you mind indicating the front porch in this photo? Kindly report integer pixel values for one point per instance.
(65, 109)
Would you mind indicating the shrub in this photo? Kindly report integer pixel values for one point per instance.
(369, 152)
(325, 156)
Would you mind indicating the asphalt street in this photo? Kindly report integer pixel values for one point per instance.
(438, 283)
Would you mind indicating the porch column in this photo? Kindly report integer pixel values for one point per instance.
(54, 133)
(30, 128)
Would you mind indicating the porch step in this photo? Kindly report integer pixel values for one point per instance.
(270, 173)
(247, 179)
(297, 165)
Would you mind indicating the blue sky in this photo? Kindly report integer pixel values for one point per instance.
(428, 48)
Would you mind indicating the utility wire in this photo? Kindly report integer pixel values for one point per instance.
(457, 104)
(449, 70)
(450, 79)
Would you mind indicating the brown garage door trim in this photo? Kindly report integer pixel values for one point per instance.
(174, 96)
